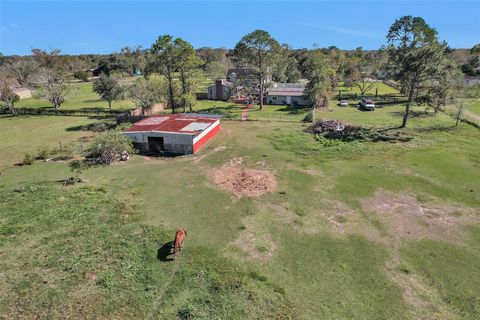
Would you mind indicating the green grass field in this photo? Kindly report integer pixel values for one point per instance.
(474, 106)
(353, 230)
(80, 97)
(379, 87)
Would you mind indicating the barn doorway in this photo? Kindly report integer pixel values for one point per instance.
(156, 145)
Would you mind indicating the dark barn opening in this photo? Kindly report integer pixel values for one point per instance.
(156, 145)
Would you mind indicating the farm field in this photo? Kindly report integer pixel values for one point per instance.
(365, 230)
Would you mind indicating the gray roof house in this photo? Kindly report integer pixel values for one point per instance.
(291, 94)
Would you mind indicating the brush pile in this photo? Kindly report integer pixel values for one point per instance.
(331, 128)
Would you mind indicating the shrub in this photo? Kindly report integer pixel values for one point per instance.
(109, 146)
(81, 75)
(308, 117)
(43, 153)
(28, 159)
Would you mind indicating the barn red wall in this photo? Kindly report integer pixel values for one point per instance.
(200, 143)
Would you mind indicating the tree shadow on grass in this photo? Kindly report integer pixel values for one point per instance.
(165, 252)
(95, 127)
(295, 110)
(436, 129)
(413, 114)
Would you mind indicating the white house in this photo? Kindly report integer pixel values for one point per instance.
(290, 94)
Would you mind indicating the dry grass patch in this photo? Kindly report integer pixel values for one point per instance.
(406, 218)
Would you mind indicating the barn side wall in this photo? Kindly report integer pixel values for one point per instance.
(173, 142)
(202, 139)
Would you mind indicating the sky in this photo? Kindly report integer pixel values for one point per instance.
(106, 26)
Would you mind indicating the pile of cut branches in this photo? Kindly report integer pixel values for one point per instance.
(329, 127)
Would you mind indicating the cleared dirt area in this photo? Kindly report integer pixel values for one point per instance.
(242, 181)
(406, 218)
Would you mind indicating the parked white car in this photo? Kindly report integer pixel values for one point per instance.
(343, 103)
(367, 104)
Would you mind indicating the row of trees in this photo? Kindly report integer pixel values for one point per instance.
(413, 56)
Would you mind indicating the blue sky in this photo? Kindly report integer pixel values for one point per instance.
(102, 27)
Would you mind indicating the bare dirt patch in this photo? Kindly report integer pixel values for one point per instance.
(406, 218)
(244, 182)
(256, 246)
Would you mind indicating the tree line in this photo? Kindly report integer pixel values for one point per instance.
(413, 56)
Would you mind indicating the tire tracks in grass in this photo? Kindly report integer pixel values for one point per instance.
(161, 293)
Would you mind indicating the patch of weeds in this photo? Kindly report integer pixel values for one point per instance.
(43, 152)
(298, 222)
(279, 290)
(305, 144)
(341, 219)
(28, 159)
(255, 275)
(242, 227)
(404, 268)
(250, 211)
(261, 248)
(187, 312)
(300, 212)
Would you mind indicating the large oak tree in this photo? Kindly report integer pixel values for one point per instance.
(415, 55)
(259, 52)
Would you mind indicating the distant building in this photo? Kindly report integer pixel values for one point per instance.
(290, 94)
(220, 90)
(173, 133)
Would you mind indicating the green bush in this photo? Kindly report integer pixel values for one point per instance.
(109, 147)
(308, 117)
(81, 75)
(43, 153)
(28, 159)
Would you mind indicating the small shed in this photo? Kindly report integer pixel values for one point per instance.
(174, 133)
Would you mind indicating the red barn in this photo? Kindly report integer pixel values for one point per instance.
(174, 133)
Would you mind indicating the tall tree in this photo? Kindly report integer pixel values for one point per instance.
(257, 51)
(164, 61)
(108, 88)
(54, 88)
(188, 68)
(321, 76)
(147, 92)
(7, 95)
(439, 89)
(414, 55)
(24, 70)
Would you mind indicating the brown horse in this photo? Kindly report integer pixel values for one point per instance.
(179, 237)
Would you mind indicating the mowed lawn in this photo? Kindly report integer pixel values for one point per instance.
(27, 134)
(80, 97)
(339, 238)
(379, 87)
